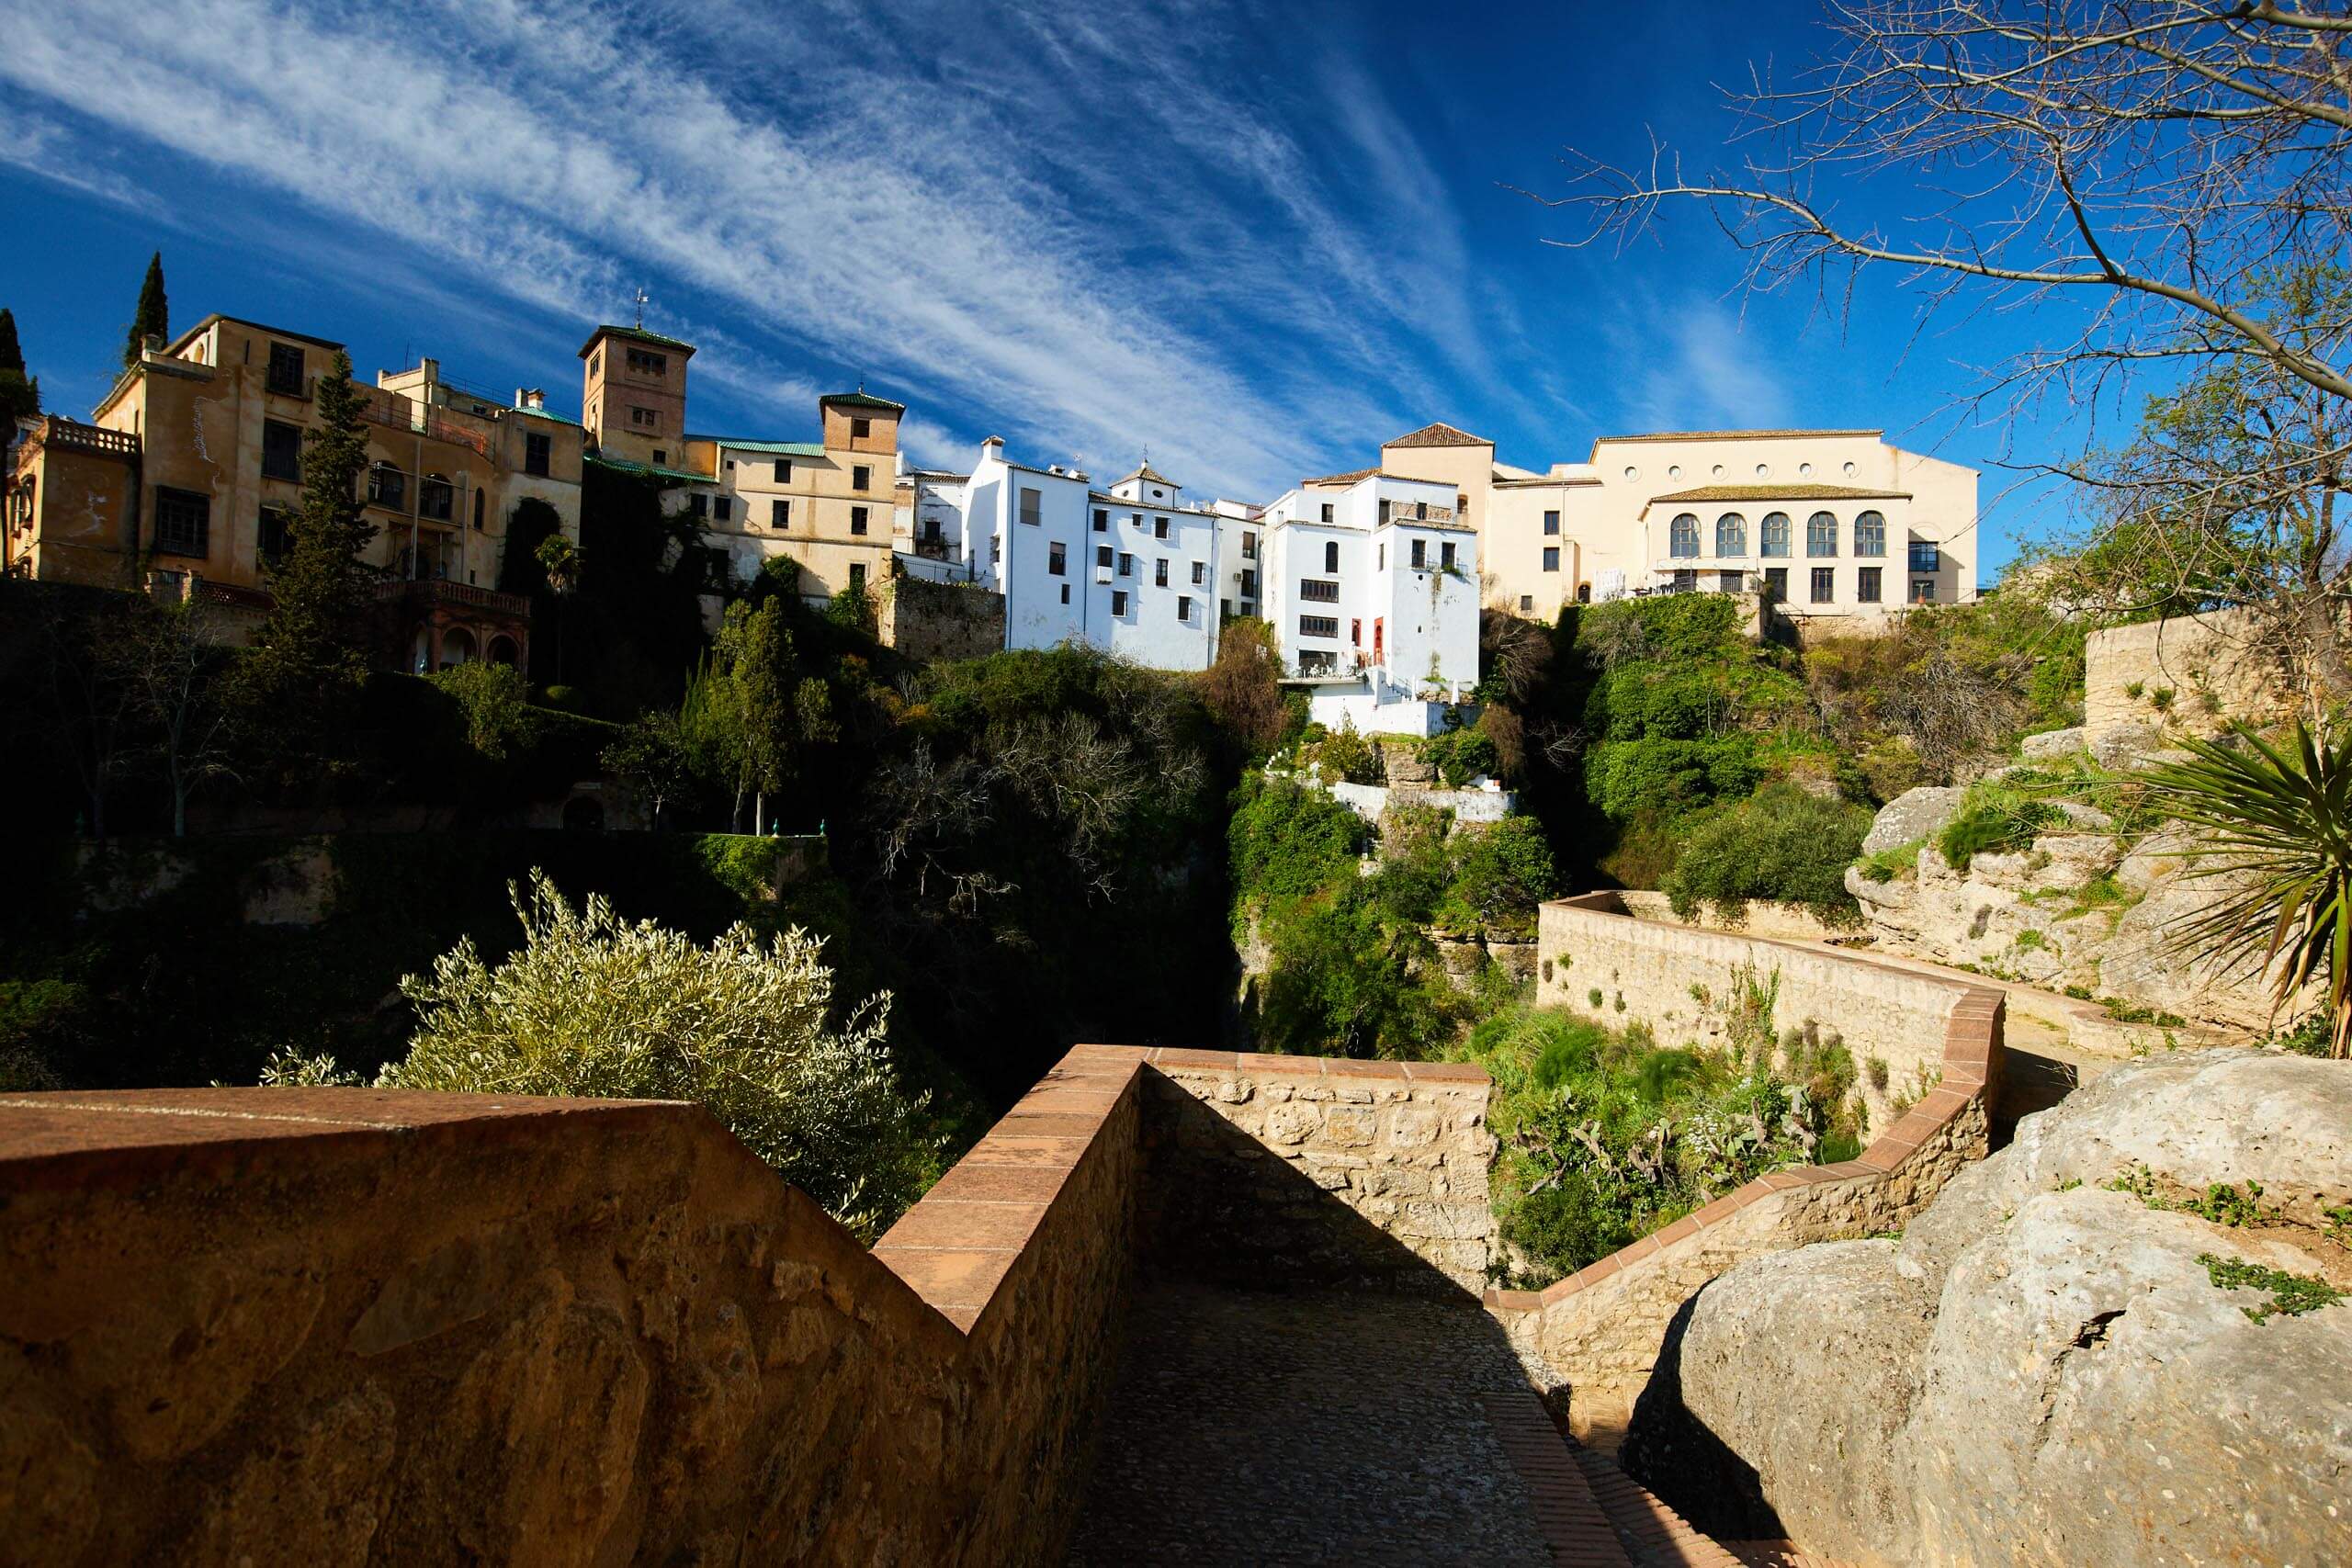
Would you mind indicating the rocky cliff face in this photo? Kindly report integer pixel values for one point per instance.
(2080, 907)
(2046, 1369)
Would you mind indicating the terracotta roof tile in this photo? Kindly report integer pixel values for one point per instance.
(1438, 435)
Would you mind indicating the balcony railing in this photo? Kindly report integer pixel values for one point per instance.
(442, 590)
(55, 430)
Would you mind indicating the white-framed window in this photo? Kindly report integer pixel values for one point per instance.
(1731, 534)
(1032, 506)
(1821, 534)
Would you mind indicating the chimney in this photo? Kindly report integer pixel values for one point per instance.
(530, 398)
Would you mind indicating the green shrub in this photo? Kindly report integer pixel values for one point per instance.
(1460, 755)
(1499, 876)
(1287, 841)
(496, 702)
(1783, 845)
(1994, 819)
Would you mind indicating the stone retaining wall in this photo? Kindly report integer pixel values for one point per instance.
(1248, 1152)
(1782, 922)
(2209, 664)
(938, 620)
(343, 1325)
(1599, 1330)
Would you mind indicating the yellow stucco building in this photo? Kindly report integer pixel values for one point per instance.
(1840, 526)
(186, 474)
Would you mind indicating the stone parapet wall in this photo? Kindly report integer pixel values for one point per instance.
(1680, 981)
(1249, 1153)
(1599, 1331)
(344, 1325)
(1780, 922)
(2211, 664)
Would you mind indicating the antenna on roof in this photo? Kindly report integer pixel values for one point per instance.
(644, 299)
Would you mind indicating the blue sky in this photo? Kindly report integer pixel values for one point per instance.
(1254, 240)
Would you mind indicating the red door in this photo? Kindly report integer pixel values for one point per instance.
(1377, 627)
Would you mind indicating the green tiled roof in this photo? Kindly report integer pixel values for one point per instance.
(862, 400)
(640, 333)
(542, 414)
(660, 473)
(777, 448)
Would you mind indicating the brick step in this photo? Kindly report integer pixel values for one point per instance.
(1654, 1535)
(1571, 1520)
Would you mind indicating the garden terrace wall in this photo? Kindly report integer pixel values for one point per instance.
(1599, 1331)
(348, 1324)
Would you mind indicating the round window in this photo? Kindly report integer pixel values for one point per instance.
(1804, 468)
(1718, 470)
(1850, 470)
(1763, 471)
(1674, 470)
(1632, 473)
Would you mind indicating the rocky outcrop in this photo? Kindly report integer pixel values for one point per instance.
(2078, 908)
(1913, 814)
(2044, 1369)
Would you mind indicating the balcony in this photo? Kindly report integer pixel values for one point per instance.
(72, 435)
(422, 592)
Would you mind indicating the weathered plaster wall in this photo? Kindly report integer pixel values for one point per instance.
(939, 620)
(1248, 1154)
(1598, 1332)
(2209, 663)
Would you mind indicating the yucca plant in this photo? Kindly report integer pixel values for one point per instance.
(2281, 826)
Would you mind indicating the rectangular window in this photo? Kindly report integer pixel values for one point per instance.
(1421, 511)
(1866, 585)
(1318, 590)
(699, 505)
(1730, 581)
(1776, 578)
(1225, 609)
(1033, 505)
(644, 362)
(1445, 555)
(783, 470)
(387, 486)
(281, 450)
(1421, 554)
(1248, 582)
(723, 507)
(1118, 601)
(860, 478)
(1551, 523)
(1184, 606)
(1159, 527)
(857, 577)
(1331, 555)
(1923, 591)
(183, 522)
(857, 519)
(1056, 559)
(1160, 575)
(1526, 601)
(1685, 580)
(1382, 560)
(1355, 632)
(1102, 555)
(286, 370)
(779, 513)
(1551, 557)
(1327, 512)
(536, 450)
(1127, 564)
(1249, 545)
(435, 499)
(1065, 593)
(1318, 626)
(644, 419)
(1824, 584)
(273, 534)
(860, 427)
(1136, 518)
(1101, 521)
(1200, 572)
(1926, 556)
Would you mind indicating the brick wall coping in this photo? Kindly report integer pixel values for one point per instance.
(1971, 1057)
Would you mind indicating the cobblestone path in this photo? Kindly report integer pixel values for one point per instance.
(1289, 1428)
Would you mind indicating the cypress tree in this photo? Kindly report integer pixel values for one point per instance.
(19, 394)
(154, 317)
(299, 681)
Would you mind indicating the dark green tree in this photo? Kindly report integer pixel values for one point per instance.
(300, 680)
(19, 393)
(154, 314)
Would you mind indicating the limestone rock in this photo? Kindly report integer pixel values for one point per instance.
(2052, 744)
(1913, 814)
(322, 1483)
(2043, 1371)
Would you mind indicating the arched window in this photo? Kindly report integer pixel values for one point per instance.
(1731, 534)
(1776, 533)
(457, 647)
(502, 651)
(1685, 546)
(1870, 535)
(1821, 534)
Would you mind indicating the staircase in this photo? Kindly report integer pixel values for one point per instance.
(1594, 1516)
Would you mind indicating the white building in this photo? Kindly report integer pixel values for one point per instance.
(1127, 570)
(1240, 557)
(1372, 584)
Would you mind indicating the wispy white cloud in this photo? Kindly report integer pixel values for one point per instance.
(1080, 223)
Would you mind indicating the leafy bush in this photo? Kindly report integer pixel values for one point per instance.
(1629, 778)
(1499, 876)
(1461, 755)
(1344, 754)
(1782, 845)
(593, 1005)
(497, 705)
(1995, 819)
(1288, 841)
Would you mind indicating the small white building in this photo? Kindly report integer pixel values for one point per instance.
(1240, 557)
(1127, 570)
(1372, 584)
